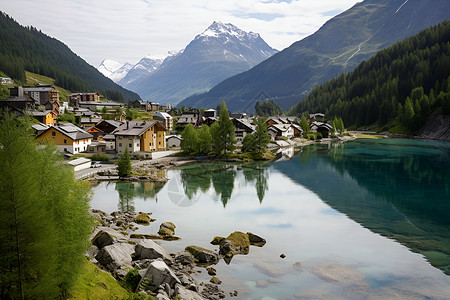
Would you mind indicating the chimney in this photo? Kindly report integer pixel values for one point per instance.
(127, 124)
(20, 91)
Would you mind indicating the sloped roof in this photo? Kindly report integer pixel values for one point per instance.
(135, 128)
(79, 161)
(71, 131)
(162, 115)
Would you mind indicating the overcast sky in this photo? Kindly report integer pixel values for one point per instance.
(128, 30)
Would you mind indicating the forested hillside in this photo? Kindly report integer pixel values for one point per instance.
(401, 85)
(28, 49)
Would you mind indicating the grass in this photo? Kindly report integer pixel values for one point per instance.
(97, 284)
(33, 78)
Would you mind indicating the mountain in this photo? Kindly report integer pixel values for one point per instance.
(143, 68)
(28, 49)
(398, 87)
(221, 51)
(338, 46)
(114, 70)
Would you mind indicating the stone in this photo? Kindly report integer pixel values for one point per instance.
(116, 256)
(211, 271)
(145, 236)
(184, 258)
(215, 280)
(335, 273)
(157, 274)
(234, 293)
(282, 255)
(184, 293)
(203, 255)
(105, 237)
(163, 231)
(268, 269)
(143, 219)
(148, 249)
(256, 240)
(216, 240)
(91, 253)
(237, 242)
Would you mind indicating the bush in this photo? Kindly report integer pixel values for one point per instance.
(100, 157)
(131, 280)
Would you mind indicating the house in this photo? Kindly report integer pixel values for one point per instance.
(108, 126)
(47, 117)
(97, 147)
(80, 164)
(298, 131)
(188, 118)
(110, 142)
(315, 117)
(91, 120)
(323, 128)
(21, 103)
(210, 113)
(280, 131)
(173, 141)
(165, 119)
(76, 98)
(6, 80)
(155, 106)
(97, 134)
(272, 121)
(39, 128)
(140, 136)
(92, 105)
(68, 137)
(242, 127)
(141, 104)
(41, 93)
(209, 120)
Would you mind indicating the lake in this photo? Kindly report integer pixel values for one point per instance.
(365, 219)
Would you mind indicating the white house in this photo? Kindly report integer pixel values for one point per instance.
(173, 140)
(80, 163)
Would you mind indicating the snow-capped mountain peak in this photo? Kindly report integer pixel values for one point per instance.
(113, 69)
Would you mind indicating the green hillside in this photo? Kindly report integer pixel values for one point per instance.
(28, 49)
(400, 86)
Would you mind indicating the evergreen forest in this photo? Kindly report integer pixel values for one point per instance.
(28, 49)
(399, 87)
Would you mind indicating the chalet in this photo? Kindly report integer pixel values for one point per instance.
(209, 120)
(272, 121)
(190, 118)
(110, 142)
(97, 134)
(76, 98)
(165, 119)
(39, 128)
(68, 137)
(173, 141)
(155, 106)
(97, 147)
(298, 131)
(21, 103)
(41, 93)
(141, 104)
(91, 120)
(280, 131)
(239, 116)
(315, 117)
(140, 136)
(47, 117)
(323, 128)
(108, 126)
(210, 113)
(241, 128)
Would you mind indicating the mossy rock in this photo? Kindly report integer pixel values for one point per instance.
(237, 243)
(168, 225)
(145, 236)
(143, 219)
(216, 240)
(202, 255)
(163, 231)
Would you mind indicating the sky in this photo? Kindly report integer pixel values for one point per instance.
(128, 30)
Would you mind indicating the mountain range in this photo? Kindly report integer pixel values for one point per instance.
(338, 46)
(221, 51)
(29, 49)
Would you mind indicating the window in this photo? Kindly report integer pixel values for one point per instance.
(53, 133)
(120, 144)
(130, 145)
(65, 141)
(159, 143)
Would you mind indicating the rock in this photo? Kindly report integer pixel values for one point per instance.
(106, 236)
(335, 273)
(236, 243)
(203, 255)
(215, 280)
(212, 291)
(166, 229)
(282, 255)
(211, 271)
(183, 293)
(184, 258)
(145, 236)
(116, 256)
(143, 219)
(91, 253)
(268, 269)
(158, 273)
(148, 249)
(256, 240)
(216, 240)
(234, 293)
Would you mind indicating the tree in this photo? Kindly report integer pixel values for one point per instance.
(262, 138)
(304, 125)
(248, 143)
(203, 140)
(223, 134)
(189, 142)
(124, 164)
(45, 224)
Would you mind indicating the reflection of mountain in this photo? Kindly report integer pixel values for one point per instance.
(398, 188)
(130, 190)
(221, 176)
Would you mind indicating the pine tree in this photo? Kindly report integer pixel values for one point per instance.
(223, 135)
(124, 164)
(189, 143)
(261, 136)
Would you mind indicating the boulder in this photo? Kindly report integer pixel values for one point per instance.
(148, 249)
(211, 271)
(116, 256)
(166, 229)
(236, 243)
(106, 236)
(157, 274)
(184, 293)
(203, 255)
(143, 219)
(184, 258)
(215, 280)
(216, 240)
(256, 240)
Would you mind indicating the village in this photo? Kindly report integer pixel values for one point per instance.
(88, 125)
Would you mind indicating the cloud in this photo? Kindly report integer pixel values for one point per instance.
(129, 30)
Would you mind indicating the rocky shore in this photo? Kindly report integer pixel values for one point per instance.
(140, 263)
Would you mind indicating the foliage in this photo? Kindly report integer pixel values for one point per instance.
(124, 164)
(204, 140)
(261, 136)
(189, 142)
(304, 125)
(131, 280)
(45, 224)
(100, 157)
(222, 134)
(248, 143)
(267, 108)
(26, 48)
(403, 83)
(338, 125)
(66, 117)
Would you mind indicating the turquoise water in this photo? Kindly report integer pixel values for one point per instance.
(368, 219)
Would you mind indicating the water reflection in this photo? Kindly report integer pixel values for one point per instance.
(398, 188)
(128, 191)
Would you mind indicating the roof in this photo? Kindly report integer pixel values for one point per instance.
(298, 127)
(174, 137)
(79, 161)
(162, 115)
(279, 127)
(111, 122)
(19, 99)
(37, 113)
(40, 127)
(38, 89)
(71, 131)
(135, 128)
(246, 123)
(109, 137)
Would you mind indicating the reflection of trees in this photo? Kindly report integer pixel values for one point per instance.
(258, 174)
(194, 178)
(126, 196)
(223, 182)
(149, 189)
